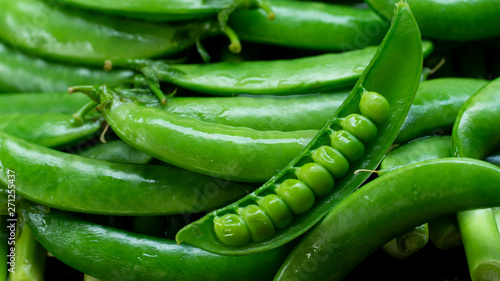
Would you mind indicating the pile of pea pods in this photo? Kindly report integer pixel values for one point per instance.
(275, 140)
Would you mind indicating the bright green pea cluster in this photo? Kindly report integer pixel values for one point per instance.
(258, 222)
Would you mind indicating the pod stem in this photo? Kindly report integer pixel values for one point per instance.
(264, 5)
(82, 112)
(481, 239)
(444, 232)
(158, 92)
(201, 50)
(235, 44)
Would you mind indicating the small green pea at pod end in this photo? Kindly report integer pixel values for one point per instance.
(231, 230)
(374, 106)
(298, 196)
(316, 177)
(276, 209)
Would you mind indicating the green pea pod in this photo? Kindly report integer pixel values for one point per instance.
(38, 103)
(436, 106)
(329, 171)
(168, 10)
(311, 25)
(282, 113)
(66, 34)
(236, 153)
(449, 20)
(278, 77)
(374, 214)
(475, 135)
(17, 68)
(116, 151)
(49, 129)
(111, 254)
(30, 255)
(86, 185)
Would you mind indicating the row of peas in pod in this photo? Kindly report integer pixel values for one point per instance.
(249, 139)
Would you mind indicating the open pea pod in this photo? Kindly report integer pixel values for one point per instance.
(361, 131)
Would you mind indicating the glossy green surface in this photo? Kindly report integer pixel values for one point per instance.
(360, 126)
(49, 129)
(436, 106)
(331, 159)
(277, 210)
(449, 19)
(116, 151)
(404, 65)
(415, 151)
(53, 102)
(473, 132)
(298, 196)
(104, 187)
(311, 25)
(374, 106)
(283, 113)
(234, 153)
(352, 230)
(277, 77)
(316, 177)
(350, 146)
(16, 68)
(259, 224)
(154, 10)
(232, 229)
(74, 35)
(109, 253)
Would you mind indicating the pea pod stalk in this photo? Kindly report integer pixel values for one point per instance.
(321, 176)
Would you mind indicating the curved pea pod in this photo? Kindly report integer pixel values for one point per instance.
(168, 10)
(235, 153)
(16, 68)
(66, 34)
(475, 135)
(277, 77)
(398, 89)
(111, 254)
(449, 20)
(76, 183)
(311, 25)
(374, 214)
(436, 106)
(54, 130)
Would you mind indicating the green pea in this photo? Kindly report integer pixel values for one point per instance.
(231, 230)
(350, 146)
(360, 126)
(332, 160)
(374, 106)
(298, 196)
(260, 225)
(276, 209)
(316, 177)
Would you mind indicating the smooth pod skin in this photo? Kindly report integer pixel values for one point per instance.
(461, 20)
(66, 34)
(95, 186)
(399, 88)
(111, 254)
(436, 106)
(278, 77)
(54, 130)
(116, 151)
(16, 68)
(162, 10)
(234, 153)
(311, 25)
(473, 133)
(374, 214)
(282, 113)
(50, 102)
